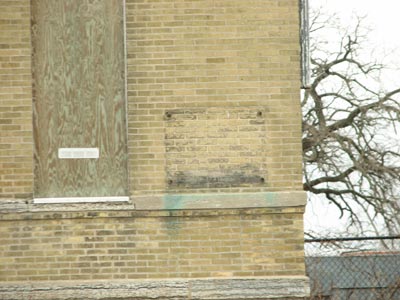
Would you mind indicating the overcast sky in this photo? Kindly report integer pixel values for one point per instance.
(382, 14)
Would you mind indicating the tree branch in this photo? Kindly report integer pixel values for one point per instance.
(326, 179)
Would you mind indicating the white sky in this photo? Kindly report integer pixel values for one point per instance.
(383, 16)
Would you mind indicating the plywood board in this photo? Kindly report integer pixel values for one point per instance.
(79, 97)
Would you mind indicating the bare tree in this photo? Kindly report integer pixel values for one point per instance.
(350, 126)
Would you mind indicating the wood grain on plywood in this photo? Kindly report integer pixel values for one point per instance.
(79, 97)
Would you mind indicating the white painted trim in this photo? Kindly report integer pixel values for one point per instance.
(79, 200)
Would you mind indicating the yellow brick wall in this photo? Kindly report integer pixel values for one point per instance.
(130, 245)
(191, 55)
(204, 59)
(16, 159)
(213, 106)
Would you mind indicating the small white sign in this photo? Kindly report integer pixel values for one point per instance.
(72, 153)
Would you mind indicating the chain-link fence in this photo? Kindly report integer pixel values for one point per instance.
(354, 268)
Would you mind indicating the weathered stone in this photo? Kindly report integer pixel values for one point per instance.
(250, 288)
(190, 289)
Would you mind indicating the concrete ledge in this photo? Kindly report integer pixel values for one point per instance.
(285, 287)
(161, 202)
(166, 205)
(220, 200)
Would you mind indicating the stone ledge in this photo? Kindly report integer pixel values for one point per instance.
(220, 200)
(131, 213)
(284, 287)
(158, 206)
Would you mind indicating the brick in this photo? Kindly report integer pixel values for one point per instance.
(236, 252)
(14, 40)
(213, 107)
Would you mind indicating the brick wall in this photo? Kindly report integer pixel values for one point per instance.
(188, 56)
(213, 110)
(140, 245)
(16, 159)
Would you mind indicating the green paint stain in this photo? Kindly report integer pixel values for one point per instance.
(173, 202)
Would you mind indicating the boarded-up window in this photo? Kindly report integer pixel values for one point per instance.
(79, 98)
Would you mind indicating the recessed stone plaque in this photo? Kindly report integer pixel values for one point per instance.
(215, 148)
